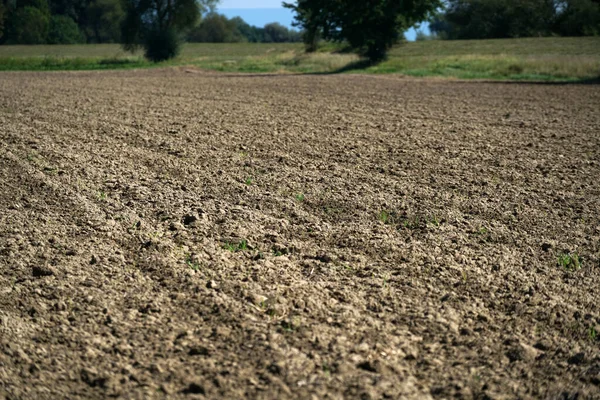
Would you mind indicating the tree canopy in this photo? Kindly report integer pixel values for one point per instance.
(217, 28)
(370, 27)
(154, 24)
(129, 21)
(63, 30)
(488, 19)
(104, 18)
(60, 21)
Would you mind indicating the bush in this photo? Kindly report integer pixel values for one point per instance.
(162, 45)
(29, 25)
(63, 30)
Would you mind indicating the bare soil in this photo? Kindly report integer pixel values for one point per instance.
(175, 233)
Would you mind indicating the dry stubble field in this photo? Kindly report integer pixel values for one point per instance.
(172, 233)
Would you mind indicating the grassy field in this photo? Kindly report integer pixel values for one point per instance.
(545, 59)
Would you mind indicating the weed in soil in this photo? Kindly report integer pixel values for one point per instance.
(570, 261)
(242, 245)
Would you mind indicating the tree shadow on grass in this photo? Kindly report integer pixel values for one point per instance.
(359, 65)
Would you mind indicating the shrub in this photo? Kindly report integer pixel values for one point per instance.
(29, 25)
(162, 45)
(63, 30)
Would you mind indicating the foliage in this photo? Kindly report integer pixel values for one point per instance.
(487, 19)
(63, 30)
(370, 27)
(105, 21)
(216, 28)
(150, 23)
(570, 262)
(421, 36)
(104, 18)
(51, 22)
(277, 33)
(251, 33)
(313, 18)
(578, 18)
(2, 17)
(162, 44)
(70, 8)
(28, 25)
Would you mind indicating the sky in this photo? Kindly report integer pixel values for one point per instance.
(261, 12)
(250, 4)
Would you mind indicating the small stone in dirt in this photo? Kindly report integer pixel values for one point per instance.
(212, 284)
(576, 359)
(546, 246)
(194, 388)
(258, 299)
(38, 271)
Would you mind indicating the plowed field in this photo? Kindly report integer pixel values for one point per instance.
(173, 233)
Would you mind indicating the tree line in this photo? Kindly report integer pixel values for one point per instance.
(60, 21)
(495, 19)
(217, 28)
(372, 27)
(113, 21)
(369, 28)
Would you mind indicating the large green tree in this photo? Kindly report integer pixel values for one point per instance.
(369, 26)
(158, 24)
